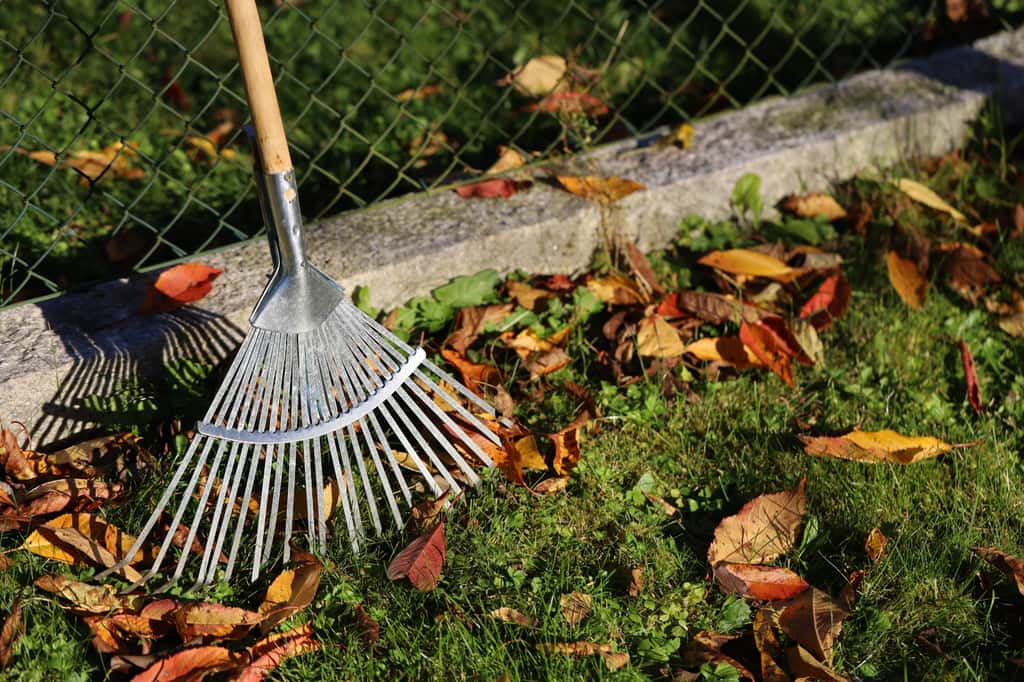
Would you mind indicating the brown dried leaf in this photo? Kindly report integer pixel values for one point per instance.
(88, 598)
(814, 620)
(669, 509)
(470, 323)
(971, 378)
(525, 295)
(907, 280)
(369, 628)
(267, 653)
(95, 529)
(764, 529)
(616, 290)
(599, 189)
(546, 362)
(551, 486)
(475, 375)
(13, 628)
(769, 648)
(969, 273)
(874, 545)
(71, 541)
(656, 338)
(636, 582)
(421, 561)
(802, 662)
(575, 606)
(717, 308)
(876, 446)
(813, 205)
(509, 615)
(1011, 566)
(214, 621)
(539, 76)
(192, 664)
(759, 582)
(290, 592)
(706, 647)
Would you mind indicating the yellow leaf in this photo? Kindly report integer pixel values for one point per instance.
(813, 205)
(921, 194)
(507, 615)
(725, 349)
(290, 592)
(539, 76)
(529, 455)
(93, 527)
(656, 338)
(508, 159)
(616, 290)
(91, 598)
(525, 295)
(599, 189)
(907, 280)
(876, 446)
(750, 264)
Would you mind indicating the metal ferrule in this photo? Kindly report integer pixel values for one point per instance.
(298, 297)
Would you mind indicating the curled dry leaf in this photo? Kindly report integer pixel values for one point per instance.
(612, 660)
(764, 529)
(64, 494)
(769, 648)
(759, 582)
(191, 664)
(475, 375)
(85, 550)
(616, 290)
(539, 76)
(290, 592)
(94, 528)
(775, 346)
(814, 620)
(876, 446)
(421, 561)
(926, 196)
(829, 303)
(575, 606)
(112, 161)
(813, 205)
(1011, 566)
(728, 350)
(13, 628)
(546, 362)
(369, 628)
(636, 582)
(525, 295)
(717, 308)
(567, 445)
(205, 620)
(411, 94)
(907, 280)
(656, 338)
(180, 285)
(269, 652)
(670, 510)
(874, 545)
(599, 189)
(802, 663)
(969, 273)
(551, 486)
(971, 377)
(88, 598)
(509, 615)
(749, 263)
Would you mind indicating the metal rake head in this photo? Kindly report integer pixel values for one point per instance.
(342, 416)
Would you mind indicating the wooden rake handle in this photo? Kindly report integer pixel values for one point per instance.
(259, 85)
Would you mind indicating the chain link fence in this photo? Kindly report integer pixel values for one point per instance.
(119, 121)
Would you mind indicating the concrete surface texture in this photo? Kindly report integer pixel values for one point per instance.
(56, 353)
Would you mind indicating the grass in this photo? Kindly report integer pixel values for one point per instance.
(82, 75)
(929, 610)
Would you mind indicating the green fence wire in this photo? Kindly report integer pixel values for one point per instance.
(120, 147)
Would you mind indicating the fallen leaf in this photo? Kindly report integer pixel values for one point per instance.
(728, 350)
(291, 591)
(551, 486)
(191, 664)
(969, 273)
(178, 286)
(471, 322)
(851, 590)
(410, 94)
(874, 545)
(575, 606)
(369, 628)
(111, 161)
(1013, 324)
(600, 189)
(88, 598)
(759, 582)
(421, 561)
(718, 309)
(636, 582)
(509, 615)
(656, 338)
(1018, 221)
(829, 303)
(207, 620)
(616, 290)
(681, 136)
(615, 661)
(876, 446)
(807, 340)
(568, 103)
(13, 628)
(774, 345)
(494, 188)
(86, 550)
(1011, 566)
(750, 263)
(764, 529)
(544, 363)
(97, 530)
(525, 295)
(814, 620)
(813, 205)
(508, 159)
(971, 377)
(706, 647)
(539, 76)
(801, 662)
(769, 648)
(475, 375)
(267, 653)
(15, 463)
(907, 280)
(669, 509)
(68, 494)
(926, 196)
(567, 445)
(641, 267)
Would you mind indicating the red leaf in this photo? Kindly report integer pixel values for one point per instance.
(270, 651)
(190, 664)
(175, 94)
(421, 561)
(828, 303)
(759, 582)
(973, 390)
(497, 187)
(185, 283)
(475, 375)
(11, 632)
(774, 345)
(568, 102)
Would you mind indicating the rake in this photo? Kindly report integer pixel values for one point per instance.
(319, 399)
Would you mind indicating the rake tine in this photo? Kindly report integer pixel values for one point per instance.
(381, 473)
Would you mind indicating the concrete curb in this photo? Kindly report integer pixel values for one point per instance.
(56, 353)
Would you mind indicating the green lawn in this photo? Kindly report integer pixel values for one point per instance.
(929, 610)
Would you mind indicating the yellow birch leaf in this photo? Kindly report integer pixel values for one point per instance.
(923, 195)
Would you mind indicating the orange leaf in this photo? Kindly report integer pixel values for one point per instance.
(759, 582)
(813, 205)
(185, 283)
(570, 102)
(1011, 566)
(874, 545)
(190, 665)
(214, 620)
(616, 290)
(268, 653)
(765, 528)
(971, 377)
(93, 527)
(575, 606)
(770, 349)
(290, 592)
(814, 620)
(729, 350)
(494, 188)
(567, 446)
(750, 264)
(602, 190)
(828, 303)
(12, 630)
(908, 281)
(86, 550)
(421, 561)
(475, 375)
